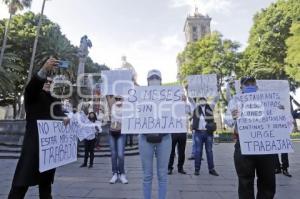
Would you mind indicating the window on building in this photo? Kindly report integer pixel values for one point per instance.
(194, 29)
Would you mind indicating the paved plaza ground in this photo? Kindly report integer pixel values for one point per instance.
(74, 182)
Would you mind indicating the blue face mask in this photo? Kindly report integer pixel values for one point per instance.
(249, 89)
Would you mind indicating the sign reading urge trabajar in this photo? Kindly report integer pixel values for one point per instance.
(154, 109)
(264, 126)
(57, 144)
(202, 85)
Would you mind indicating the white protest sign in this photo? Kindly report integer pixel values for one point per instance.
(280, 86)
(116, 82)
(202, 85)
(86, 128)
(263, 127)
(154, 109)
(57, 144)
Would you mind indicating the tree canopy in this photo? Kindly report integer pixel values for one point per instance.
(52, 42)
(273, 43)
(211, 54)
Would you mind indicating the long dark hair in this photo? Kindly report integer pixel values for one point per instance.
(95, 116)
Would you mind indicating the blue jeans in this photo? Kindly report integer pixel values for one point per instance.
(193, 145)
(162, 152)
(201, 138)
(117, 147)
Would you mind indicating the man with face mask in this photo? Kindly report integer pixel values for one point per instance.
(203, 126)
(158, 145)
(38, 101)
(248, 165)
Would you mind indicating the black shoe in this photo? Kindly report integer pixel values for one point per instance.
(197, 173)
(213, 172)
(286, 173)
(191, 158)
(277, 171)
(83, 165)
(91, 166)
(181, 171)
(170, 172)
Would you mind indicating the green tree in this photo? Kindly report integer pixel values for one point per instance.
(212, 54)
(13, 7)
(293, 53)
(18, 54)
(266, 55)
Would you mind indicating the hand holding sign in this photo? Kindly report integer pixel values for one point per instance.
(154, 109)
(57, 144)
(66, 121)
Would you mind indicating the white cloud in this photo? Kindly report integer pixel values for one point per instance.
(3, 11)
(205, 6)
(144, 55)
(171, 42)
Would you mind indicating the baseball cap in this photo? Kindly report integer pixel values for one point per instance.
(153, 73)
(247, 79)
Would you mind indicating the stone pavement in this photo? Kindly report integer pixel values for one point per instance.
(74, 182)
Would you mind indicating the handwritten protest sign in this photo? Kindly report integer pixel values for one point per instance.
(280, 86)
(116, 82)
(263, 127)
(85, 128)
(57, 144)
(202, 85)
(154, 109)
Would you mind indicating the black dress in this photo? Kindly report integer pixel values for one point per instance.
(37, 106)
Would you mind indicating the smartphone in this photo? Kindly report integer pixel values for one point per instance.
(63, 64)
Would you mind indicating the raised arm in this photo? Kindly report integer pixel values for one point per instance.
(35, 85)
(214, 102)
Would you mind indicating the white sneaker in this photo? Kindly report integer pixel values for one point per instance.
(123, 179)
(114, 179)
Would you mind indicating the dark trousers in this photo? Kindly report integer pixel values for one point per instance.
(284, 160)
(97, 142)
(89, 146)
(19, 192)
(179, 140)
(246, 166)
(129, 140)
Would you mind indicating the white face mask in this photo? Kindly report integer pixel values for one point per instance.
(118, 103)
(154, 82)
(202, 103)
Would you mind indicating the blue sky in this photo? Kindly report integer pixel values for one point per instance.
(148, 32)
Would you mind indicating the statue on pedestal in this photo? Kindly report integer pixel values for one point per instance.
(85, 44)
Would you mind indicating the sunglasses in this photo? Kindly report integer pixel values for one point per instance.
(49, 81)
(118, 99)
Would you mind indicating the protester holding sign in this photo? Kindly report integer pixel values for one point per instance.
(203, 125)
(38, 101)
(117, 140)
(158, 145)
(249, 165)
(89, 142)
